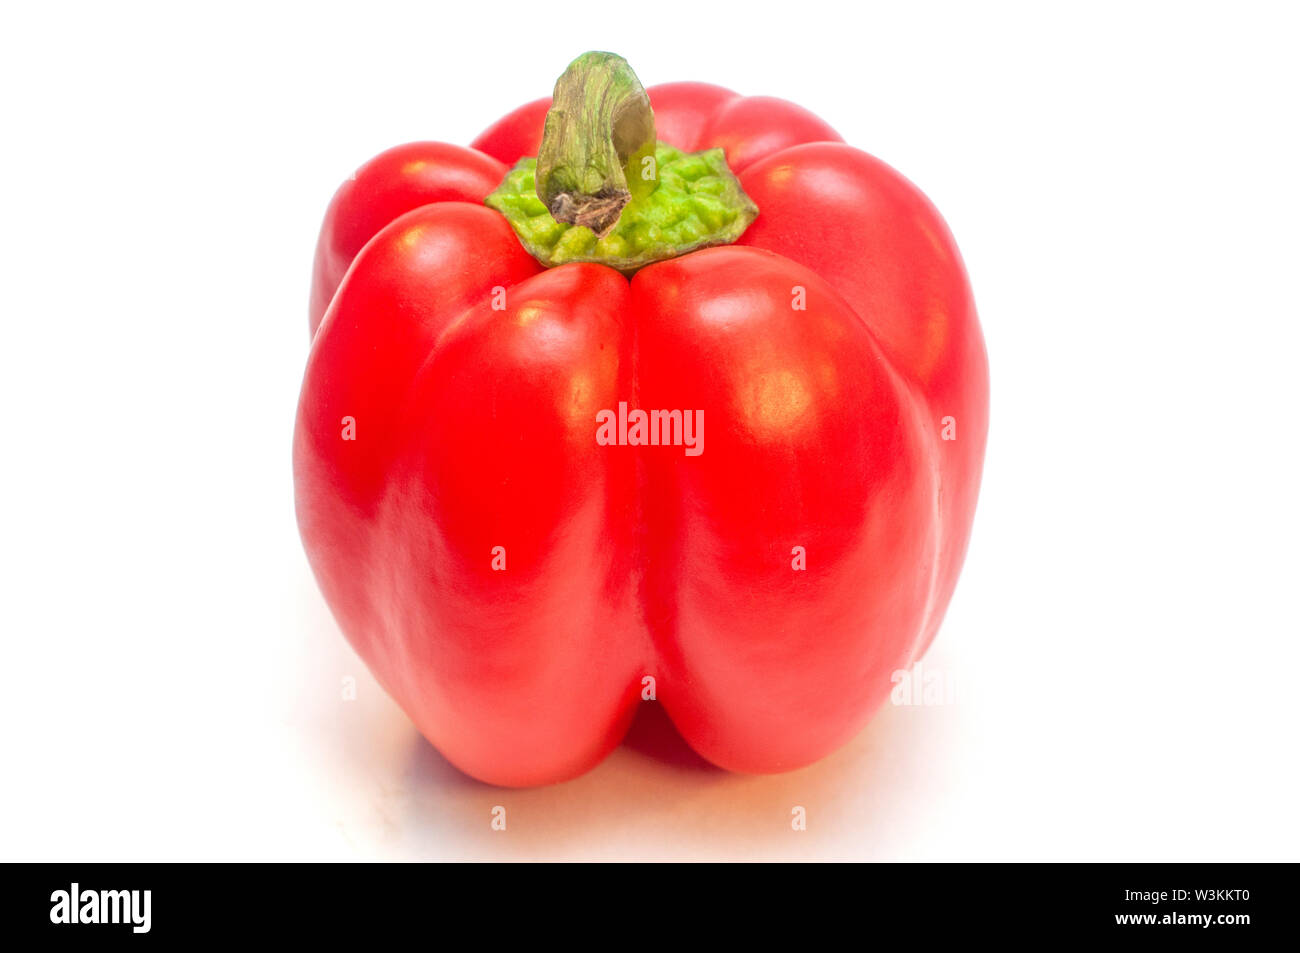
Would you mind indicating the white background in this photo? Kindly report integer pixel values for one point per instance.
(1122, 180)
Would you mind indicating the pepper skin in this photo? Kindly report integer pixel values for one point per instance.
(473, 378)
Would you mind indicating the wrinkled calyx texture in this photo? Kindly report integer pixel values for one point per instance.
(603, 190)
(697, 203)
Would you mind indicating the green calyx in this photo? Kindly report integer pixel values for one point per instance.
(697, 203)
(604, 190)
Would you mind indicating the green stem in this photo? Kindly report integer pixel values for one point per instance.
(603, 190)
(598, 131)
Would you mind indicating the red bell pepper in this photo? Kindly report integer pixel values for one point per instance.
(513, 527)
